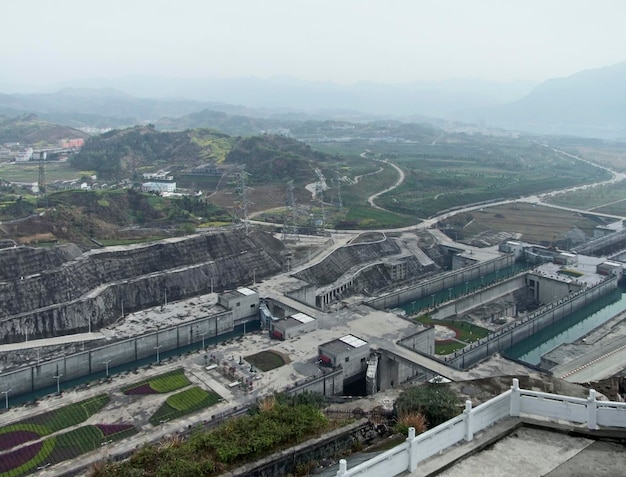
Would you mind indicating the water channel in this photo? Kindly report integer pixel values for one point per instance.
(461, 289)
(567, 330)
(570, 328)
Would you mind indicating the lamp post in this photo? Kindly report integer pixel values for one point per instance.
(58, 378)
(6, 397)
(106, 365)
(202, 334)
(157, 353)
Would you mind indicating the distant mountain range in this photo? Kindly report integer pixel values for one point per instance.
(591, 103)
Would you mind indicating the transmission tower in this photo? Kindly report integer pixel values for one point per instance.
(320, 186)
(41, 183)
(290, 219)
(241, 206)
(338, 185)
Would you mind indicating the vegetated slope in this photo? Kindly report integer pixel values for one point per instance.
(29, 129)
(275, 158)
(78, 216)
(234, 125)
(123, 153)
(126, 153)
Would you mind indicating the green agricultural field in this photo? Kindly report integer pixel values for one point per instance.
(29, 172)
(183, 403)
(608, 199)
(464, 170)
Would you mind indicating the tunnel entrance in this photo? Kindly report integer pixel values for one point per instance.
(355, 386)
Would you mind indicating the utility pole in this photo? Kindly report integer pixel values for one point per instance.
(106, 364)
(6, 397)
(58, 378)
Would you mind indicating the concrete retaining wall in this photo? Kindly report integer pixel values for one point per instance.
(42, 376)
(528, 325)
(441, 282)
(477, 298)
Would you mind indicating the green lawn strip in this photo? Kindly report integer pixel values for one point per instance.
(169, 382)
(447, 347)
(163, 383)
(81, 440)
(183, 403)
(25, 426)
(73, 414)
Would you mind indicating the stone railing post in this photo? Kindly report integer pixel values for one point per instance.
(467, 417)
(592, 409)
(343, 468)
(514, 409)
(412, 440)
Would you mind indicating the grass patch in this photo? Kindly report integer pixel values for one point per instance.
(570, 273)
(183, 403)
(163, 383)
(266, 360)
(447, 347)
(466, 331)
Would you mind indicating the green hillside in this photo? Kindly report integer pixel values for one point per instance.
(127, 153)
(29, 129)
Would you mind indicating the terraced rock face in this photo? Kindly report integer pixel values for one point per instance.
(346, 258)
(49, 292)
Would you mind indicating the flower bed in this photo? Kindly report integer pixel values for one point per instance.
(15, 438)
(112, 429)
(46, 423)
(66, 446)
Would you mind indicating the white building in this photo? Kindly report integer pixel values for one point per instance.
(158, 187)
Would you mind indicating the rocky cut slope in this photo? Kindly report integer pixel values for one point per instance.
(58, 291)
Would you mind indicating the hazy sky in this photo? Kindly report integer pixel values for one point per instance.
(345, 41)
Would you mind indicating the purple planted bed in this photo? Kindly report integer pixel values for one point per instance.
(15, 438)
(141, 389)
(13, 460)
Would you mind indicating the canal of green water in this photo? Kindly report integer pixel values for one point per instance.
(567, 330)
(570, 328)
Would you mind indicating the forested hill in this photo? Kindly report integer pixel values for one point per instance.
(29, 129)
(127, 153)
(271, 158)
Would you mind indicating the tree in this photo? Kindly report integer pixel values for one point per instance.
(437, 402)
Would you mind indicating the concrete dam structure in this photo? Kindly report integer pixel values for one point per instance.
(64, 290)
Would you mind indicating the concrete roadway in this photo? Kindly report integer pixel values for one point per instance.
(604, 363)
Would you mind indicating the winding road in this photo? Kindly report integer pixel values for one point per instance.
(371, 198)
